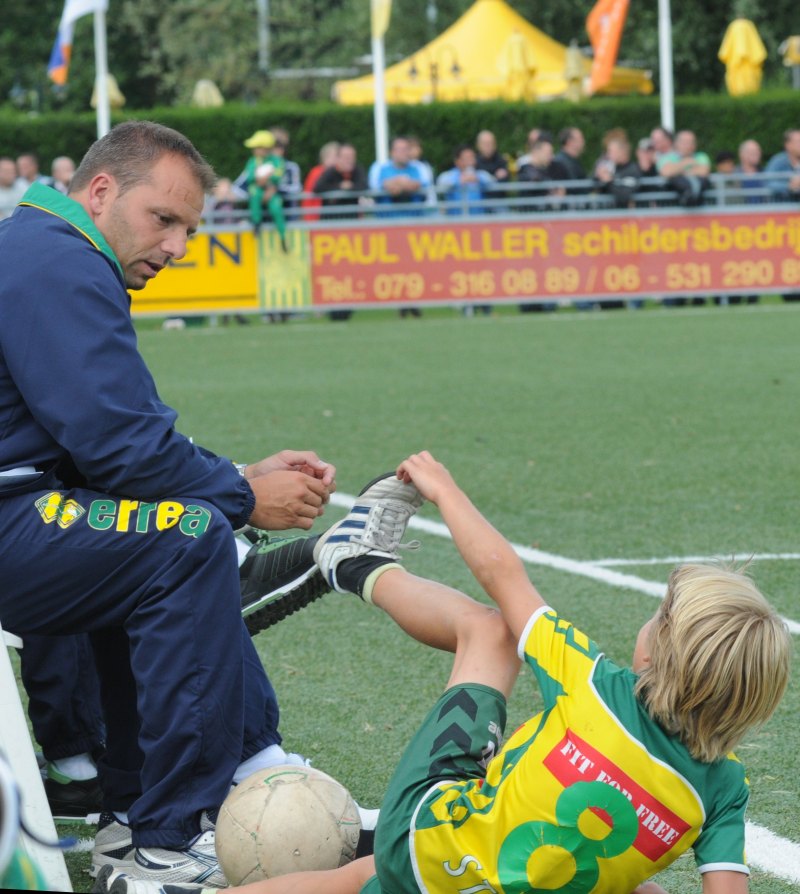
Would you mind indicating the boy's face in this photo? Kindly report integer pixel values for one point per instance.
(641, 651)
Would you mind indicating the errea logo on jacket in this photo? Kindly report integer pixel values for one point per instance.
(125, 516)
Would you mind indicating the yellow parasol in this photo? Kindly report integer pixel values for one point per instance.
(743, 53)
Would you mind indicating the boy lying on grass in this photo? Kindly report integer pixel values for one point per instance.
(621, 773)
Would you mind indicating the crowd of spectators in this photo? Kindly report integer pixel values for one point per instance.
(555, 172)
(16, 175)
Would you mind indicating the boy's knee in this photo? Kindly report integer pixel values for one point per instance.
(487, 624)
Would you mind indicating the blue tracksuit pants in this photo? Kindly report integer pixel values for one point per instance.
(63, 694)
(156, 585)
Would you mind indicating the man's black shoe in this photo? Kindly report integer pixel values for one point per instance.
(278, 577)
(74, 799)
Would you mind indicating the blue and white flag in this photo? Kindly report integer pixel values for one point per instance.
(58, 66)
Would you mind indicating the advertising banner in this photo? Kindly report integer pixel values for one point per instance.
(556, 258)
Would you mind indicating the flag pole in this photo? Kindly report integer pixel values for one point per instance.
(380, 113)
(665, 66)
(101, 69)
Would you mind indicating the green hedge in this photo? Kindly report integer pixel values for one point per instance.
(720, 121)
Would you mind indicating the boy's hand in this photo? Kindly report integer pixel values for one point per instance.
(430, 477)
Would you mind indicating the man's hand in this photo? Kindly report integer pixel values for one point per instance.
(287, 500)
(305, 461)
(649, 888)
(291, 489)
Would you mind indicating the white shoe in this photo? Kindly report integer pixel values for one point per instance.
(114, 881)
(374, 526)
(196, 864)
(113, 845)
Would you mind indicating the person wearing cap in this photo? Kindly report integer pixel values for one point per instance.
(259, 181)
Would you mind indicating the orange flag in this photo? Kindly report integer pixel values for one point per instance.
(604, 26)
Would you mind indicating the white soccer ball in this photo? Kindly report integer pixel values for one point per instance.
(285, 819)
(264, 171)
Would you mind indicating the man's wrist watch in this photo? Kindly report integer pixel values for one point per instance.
(240, 468)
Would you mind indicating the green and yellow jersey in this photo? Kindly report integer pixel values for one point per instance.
(590, 796)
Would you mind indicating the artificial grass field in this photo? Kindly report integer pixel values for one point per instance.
(615, 435)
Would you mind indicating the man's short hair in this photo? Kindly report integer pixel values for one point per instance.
(462, 147)
(129, 151)
(719, 660)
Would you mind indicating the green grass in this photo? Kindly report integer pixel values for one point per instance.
(627, 434)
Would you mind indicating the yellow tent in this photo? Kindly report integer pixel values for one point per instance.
(491, 52)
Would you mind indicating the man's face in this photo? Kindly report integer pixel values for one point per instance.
(685, 143)
(486, 143)
(150, 224)
(543, 154)
(619, 152)
(660, 140)
(27, 167)
(8, 172)
(750, 154)
(346, 159)
(63, 170)
(576, 143)
(401, 152)
(793, 145)
(466, 159)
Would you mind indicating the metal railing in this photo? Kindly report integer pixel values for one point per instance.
(509, 200)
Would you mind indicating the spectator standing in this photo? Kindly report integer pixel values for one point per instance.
(663, 141)
(62, 169)
(346, 175)
(786, 187)
(464, 183)
(11, 188)
(291, 183)
(28, 170)
(566, 163)
(615, 174)
(403, 181)
(685, 169)
(400, 179)
(537, 167)
(425, 168)
(259, 180)
(327, 156)
(489, 159)
(646, 163)
(750, 168)
(533, 136)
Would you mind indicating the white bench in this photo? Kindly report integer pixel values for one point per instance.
(16, 745)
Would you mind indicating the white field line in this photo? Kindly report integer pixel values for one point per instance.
(775, 855)
(679, 560)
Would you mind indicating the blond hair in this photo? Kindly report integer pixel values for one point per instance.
(719, 659)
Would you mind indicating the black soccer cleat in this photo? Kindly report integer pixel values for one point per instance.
(278, 577)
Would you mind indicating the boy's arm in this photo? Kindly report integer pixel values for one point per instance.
(488, 555)
(725, 883)
(713, 883)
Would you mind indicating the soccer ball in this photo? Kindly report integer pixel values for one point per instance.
(285, 819)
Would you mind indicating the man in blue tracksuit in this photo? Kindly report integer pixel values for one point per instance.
(114, 524)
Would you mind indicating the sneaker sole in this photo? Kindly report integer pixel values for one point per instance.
(89, 819)
(274, 607)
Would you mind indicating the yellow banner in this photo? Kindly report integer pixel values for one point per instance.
(231, 272)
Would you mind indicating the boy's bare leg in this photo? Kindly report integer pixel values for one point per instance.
(439, 616)
(347, 879)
